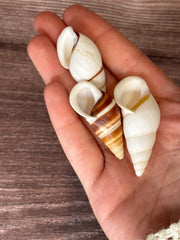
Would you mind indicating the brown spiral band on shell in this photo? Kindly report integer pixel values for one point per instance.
(107, 126)
(104, 101)
(98, 73)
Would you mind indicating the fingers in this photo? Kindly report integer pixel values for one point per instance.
(49, 24)
(42, 49)
(43, 54)
(79, 145)
(119, 54)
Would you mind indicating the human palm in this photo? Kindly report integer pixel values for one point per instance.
(126, 206)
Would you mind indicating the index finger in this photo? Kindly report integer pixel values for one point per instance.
(119, 55)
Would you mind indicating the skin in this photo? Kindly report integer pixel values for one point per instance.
(126, 206)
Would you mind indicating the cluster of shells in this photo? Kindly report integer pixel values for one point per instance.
(140, 112)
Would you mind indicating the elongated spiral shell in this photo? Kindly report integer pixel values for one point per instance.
(101, 111)
(81, 56)
(108, 124)
(141, 118)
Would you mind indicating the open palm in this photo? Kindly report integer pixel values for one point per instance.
(126, 206)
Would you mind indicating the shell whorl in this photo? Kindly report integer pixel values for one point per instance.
(102, 113)
(107, 125)
(141, 118)
(81, 56)
(140, 132)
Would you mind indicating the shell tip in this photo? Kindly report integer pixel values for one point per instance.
(139, 173)
(120, 156)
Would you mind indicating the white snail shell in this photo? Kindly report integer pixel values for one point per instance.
(101, 111)
(81, 56)
(141, 118)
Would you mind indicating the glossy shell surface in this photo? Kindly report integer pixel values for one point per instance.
(141, 118)
(101, 111)
(81, 56)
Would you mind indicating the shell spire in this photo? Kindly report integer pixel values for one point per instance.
(81, 56)
(101, 111)
(141, 118)
(107, 125)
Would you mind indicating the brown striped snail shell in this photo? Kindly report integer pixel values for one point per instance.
(81, 56)
(101, 111)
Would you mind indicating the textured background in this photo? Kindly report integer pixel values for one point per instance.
(40, 195)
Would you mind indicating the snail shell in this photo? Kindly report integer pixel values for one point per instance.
(80, 55)
(141, 118)
(101, 111)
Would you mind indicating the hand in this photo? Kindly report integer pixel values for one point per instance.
(126, 206)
